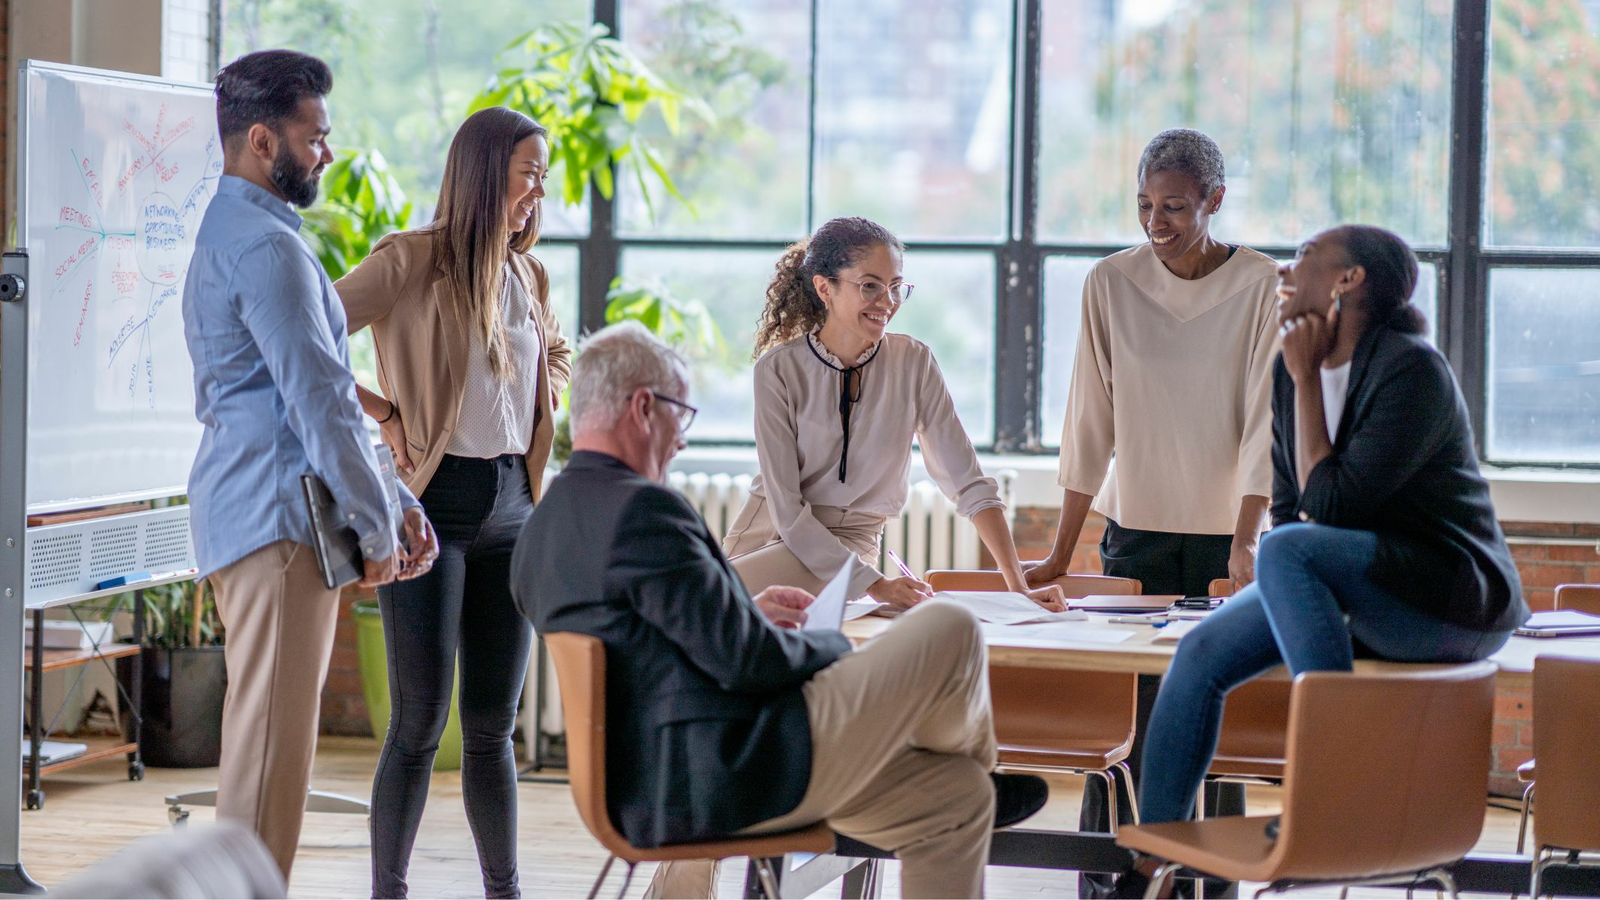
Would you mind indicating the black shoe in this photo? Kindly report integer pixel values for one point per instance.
(1132, 883)
(1016, 797)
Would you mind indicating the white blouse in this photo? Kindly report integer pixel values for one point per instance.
(799, 440)
(496, 416)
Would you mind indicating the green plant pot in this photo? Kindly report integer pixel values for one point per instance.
(373, 660)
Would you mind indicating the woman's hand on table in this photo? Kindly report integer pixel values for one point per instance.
(1051, 597)
(900, 593)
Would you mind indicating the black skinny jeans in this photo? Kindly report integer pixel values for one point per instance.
(461, 607)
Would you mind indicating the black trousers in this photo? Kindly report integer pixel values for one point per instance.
(1164, 563)
(462, 607)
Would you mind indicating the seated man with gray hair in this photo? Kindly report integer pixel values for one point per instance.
(721, 717)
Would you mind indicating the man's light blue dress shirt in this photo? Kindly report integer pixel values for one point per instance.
(272, 385)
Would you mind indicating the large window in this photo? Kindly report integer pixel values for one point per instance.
(1000, 138)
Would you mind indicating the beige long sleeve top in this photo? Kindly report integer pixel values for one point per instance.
(799, 439)
(1173, 377)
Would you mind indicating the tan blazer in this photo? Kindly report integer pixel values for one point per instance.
(423, 342)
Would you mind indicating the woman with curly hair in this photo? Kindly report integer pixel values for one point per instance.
(838, 400)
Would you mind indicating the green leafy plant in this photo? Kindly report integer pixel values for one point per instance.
(361, 203)
(181, 615)
(591, 92)
(683, 322)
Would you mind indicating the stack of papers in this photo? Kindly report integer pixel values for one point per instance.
(1008, 608)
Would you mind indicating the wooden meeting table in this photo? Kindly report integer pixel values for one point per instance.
(1138, 653)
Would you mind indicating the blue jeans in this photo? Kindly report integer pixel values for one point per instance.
(1311, 596)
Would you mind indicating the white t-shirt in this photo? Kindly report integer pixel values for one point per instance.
(1335, 382)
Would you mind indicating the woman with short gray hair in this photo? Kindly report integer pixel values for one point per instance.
(1183, 327)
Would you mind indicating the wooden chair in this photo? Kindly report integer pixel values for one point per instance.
(1255, 723)
(1396, 805)
(581, 672)
(1061, 721)
(1566, 705)
(1583, 598)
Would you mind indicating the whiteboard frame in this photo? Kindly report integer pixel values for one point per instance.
(25, 70)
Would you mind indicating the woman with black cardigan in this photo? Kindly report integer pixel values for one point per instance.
(1383, 535)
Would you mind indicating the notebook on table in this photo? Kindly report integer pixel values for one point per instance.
(1114, 603)
(1562, 622)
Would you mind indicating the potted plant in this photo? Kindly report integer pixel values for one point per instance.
(184, 677)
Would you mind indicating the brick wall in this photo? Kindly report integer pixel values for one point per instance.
(344, 709)
(186, 40)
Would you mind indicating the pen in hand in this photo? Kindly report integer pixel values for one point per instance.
(895, 557)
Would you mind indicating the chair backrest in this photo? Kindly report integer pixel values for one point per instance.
(1220, 587)
(1581, 597)
(1386, 769)
(1074, 586)
(1047, 709)
(581, 674)
(1566, 706)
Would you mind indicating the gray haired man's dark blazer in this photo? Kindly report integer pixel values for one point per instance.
(706, 725)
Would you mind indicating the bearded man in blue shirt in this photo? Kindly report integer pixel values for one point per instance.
(273, 388)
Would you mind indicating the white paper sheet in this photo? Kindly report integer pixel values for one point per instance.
(855, 609)
(826, 613)
(1008, 608)
(1065, 632)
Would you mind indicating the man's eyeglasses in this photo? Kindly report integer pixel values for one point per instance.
(686, 413)
(872, 291)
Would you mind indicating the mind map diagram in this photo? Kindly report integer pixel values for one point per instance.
(141, 248)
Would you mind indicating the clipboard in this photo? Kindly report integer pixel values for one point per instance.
(337, 546)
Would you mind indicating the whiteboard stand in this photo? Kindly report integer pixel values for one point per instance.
(13, 543)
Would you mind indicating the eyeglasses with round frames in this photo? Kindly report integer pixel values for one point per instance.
(871, 290)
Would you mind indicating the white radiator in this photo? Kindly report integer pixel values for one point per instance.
(928, 535)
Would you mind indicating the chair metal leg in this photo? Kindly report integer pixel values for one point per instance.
(769, 879)
(1445, 880)
(1113, 815)
(627, 879)
(604, 871)
(1522, 826)
(1544, 860)
(1159, 879)
(1127, 781)
(1200, 803)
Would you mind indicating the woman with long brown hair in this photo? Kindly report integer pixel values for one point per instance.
(471, 361)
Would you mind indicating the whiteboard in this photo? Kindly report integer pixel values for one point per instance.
(116, 172)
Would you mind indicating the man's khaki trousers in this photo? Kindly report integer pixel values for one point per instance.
(279, 619)
(902, 743)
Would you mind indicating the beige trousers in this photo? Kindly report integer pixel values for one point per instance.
(902, 744)
(280, 620)
(757, 553)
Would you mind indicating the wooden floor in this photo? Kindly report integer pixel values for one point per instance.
(92, 812)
